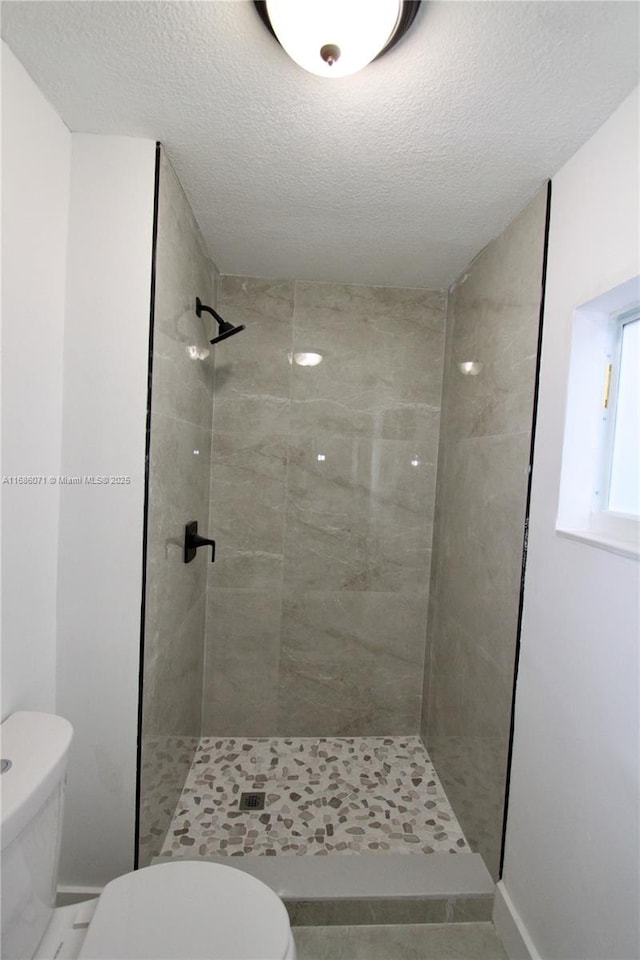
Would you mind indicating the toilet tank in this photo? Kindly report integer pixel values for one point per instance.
(31, 793)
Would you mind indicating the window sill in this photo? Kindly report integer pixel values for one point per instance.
(624, 548)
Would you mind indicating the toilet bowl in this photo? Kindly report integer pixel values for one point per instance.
(180, 910)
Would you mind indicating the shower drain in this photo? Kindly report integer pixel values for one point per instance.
(252, 801)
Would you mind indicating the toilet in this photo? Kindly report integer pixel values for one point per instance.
(180, 910)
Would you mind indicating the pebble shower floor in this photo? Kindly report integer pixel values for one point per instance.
(322, 796)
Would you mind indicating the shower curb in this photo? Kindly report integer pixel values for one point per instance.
(373, 888)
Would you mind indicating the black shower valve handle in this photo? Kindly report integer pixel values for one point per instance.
(193, 540)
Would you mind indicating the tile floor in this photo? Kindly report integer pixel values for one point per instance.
(430, 941)
(327, 795)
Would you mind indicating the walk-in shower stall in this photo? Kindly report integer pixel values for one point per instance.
(339, 681)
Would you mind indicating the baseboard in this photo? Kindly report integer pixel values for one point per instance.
(66, 895)
(515, 938)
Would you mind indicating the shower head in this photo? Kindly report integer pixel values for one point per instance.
(224, 329)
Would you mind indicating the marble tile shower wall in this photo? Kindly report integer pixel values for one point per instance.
(180, 449)
(322, 499)
(487, 411)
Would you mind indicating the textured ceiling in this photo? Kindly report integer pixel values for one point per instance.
(398, 175)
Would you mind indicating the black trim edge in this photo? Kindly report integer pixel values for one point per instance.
(145, 523)
(525, 541)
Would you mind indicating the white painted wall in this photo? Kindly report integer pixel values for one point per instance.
(100, 561)
(571, 868)
(77, 223)
(36, 155)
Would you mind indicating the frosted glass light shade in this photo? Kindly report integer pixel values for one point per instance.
(360, 29)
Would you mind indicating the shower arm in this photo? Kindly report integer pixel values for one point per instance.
(202, 306)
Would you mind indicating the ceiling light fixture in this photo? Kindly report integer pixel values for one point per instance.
(334, 38)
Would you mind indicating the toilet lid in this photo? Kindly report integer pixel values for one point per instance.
(187, 911)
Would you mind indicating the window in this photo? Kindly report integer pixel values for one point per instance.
(621, 486)
(600, 479)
